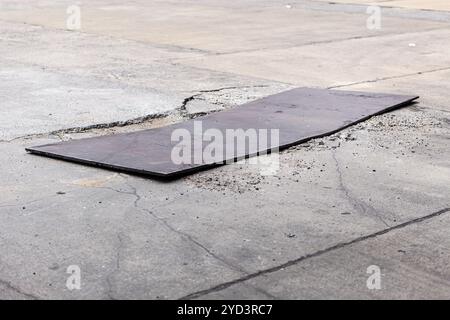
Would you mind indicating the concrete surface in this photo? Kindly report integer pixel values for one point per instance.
(374, 194)
(443, 5)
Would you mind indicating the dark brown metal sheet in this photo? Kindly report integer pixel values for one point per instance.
(299, 115)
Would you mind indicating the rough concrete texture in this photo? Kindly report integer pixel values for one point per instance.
(374, 194)
(443, 5)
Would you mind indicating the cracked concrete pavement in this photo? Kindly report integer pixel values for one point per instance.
(376, 193)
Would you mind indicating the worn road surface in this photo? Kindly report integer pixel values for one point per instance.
(376, 194)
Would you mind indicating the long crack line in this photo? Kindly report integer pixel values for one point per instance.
(18, 290)
(110, 291)
(181, 110)
(355, 203)
(341, 245)
(389, 78)
(181, 233)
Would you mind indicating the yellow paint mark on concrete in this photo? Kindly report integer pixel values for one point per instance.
(93, 182)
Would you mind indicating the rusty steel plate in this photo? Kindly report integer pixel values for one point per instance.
(298, 114)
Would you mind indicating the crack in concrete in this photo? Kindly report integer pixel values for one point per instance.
(8, 285)
(290, 263)
(28, 203)
(357, 204)
(183, 108)
(168, 47)
(82, 129)
(391, 11)
(110, 291)
(182, 111)
(389, 78)
(319, 42)
(183, 235)
(108, 280)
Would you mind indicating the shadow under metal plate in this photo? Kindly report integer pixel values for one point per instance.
(299, 115)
